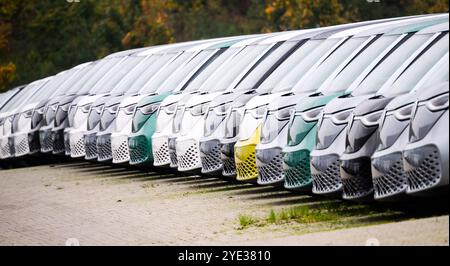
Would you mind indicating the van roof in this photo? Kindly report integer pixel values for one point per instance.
(435, 28)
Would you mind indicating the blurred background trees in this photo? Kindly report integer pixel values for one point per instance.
(39, 38)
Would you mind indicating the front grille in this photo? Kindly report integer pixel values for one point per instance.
(90, 143)
(21, 145)
(246, 169)
(120, 152)
(272, 172)
(140, 151)
(6, 149)
(58, 142)
(391, 183)
(67, 144)
(425, 174)
(211, 161)
(104, 152)
(33, 142)
(47, 140)
(359, 185)
(173, 159)
(229, 166)
(329, 180)
(173, 153)
(161, 154)
(299, 175)
(77, 148)
(190, 159)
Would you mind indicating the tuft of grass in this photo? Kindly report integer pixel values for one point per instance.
(245, 221)
(336, 214)
(272, 217)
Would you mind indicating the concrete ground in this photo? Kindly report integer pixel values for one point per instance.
(93, 204)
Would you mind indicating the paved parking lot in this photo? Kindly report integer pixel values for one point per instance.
(94, 204)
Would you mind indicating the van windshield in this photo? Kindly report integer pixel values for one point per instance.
(223, 77)
(55, 83)
(359, 64)
(383, 71)
(98, 72)
(128, 79)
(21, 97)
(439, 76)
(254, 77)
(115, 75)
(196, 82)
(307, 55)
(160, 61)
(181, 73)
(315, 79)
(418, 69)
(153, 84)
(44, 93)
(68, 86)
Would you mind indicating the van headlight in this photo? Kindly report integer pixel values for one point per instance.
(274, 123)
(425, 114)
(178, 118)
(392, 125)
(149, 108)
(232, 122)
(85, 108)
(258, 112)
(329, 126)
(301, 124)
(61, 114)
(95, 116)
(27, 114)
(199, 109)
(37, 117)
(142, 114)
(361, 129)
(214, 117)
(169, 109)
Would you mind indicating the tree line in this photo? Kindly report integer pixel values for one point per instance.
(39, 38)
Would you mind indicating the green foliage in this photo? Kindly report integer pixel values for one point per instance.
(43, 37)
(245, 221)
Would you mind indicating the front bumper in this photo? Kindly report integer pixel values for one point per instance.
(58, 141)
(67, 147)
(104, 153)
(245, 158)
(6, 147)
(269, 165)
(296, 162)
(325, 174)
(426, 161)
(357, 178)
(160, 147)
(210, 157)
(188, 155)
(26, 143)
(325, 164)
(388, 176)
(227, 157)
(77, 147)
(423, 167)
(140, 150)
(173, 152)
(140, 143)
(90, 143)
(297, 170)
(46, 138)
(119, 148)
